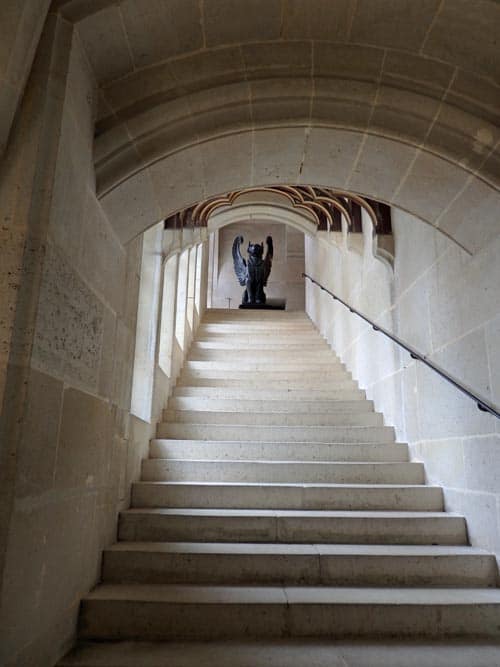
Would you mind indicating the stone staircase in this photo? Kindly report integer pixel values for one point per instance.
(276, 503)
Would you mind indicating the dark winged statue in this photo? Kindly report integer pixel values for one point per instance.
(253, 274)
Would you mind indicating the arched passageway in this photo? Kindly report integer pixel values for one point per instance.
(131, 114)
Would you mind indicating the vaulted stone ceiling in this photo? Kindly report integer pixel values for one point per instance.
(394, 99)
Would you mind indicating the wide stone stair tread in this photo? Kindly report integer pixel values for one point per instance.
(159, 611)
(285, 653)
(312, 595)
(274, 406)
(291, 526)
(283, 393)
(256, 495)
(308, 514)
(300, 378)
(317, 434)
(272, 418)
(238, 354)
(250, 451)
(265, 470)
(251, 370)
(292, 564)
(341, 550)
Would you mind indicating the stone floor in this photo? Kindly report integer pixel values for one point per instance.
(285, 654)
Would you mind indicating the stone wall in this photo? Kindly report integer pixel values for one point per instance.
(288, 263)
(71, 460)
(21, 23)
(73, 446)
(76, 448)
(445, 303)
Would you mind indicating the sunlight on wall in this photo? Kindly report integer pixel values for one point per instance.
(147, 322)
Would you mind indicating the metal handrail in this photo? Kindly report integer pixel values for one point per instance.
(482, 404)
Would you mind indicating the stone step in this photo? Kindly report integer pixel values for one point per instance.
(294, 406)
(342, 387)
(201, 525)
(237, 355)
(301, 418)
(260, 324)
(246, 367)
(320, 472)
(291, 564)
(334, 497)
(326, 434)
(281, 451)
(284, 393)
(248, 323)
(250, 344)
(240, 316)
(258, 332)
(292, 652)
(269, 361)
(159, 612)
(221, 314)
(269, 341)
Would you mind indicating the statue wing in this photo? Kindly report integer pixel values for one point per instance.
(240, 266)
(268, 260)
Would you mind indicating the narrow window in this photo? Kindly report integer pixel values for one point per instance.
(191, 287)
(180, 315)
(168, 315)
(199, 265)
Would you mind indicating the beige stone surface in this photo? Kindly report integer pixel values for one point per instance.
(456, 32)
(105, 40)
(22, 22)
(222, 21)
(472, 91)
(475, 202)
(379, 168)
(409, 23)
(158, 31)
(408, 71)
(326, 22)
(38, 449)
(127, 203)
(434, 184)
(68, 334)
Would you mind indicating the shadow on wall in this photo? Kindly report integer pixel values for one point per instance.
(288, 263)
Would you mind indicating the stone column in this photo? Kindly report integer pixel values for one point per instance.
(26, 187)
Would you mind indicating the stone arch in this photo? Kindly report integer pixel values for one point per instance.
(399, 104)
(442, 194)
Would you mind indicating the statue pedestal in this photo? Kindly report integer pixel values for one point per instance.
(271, 304)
